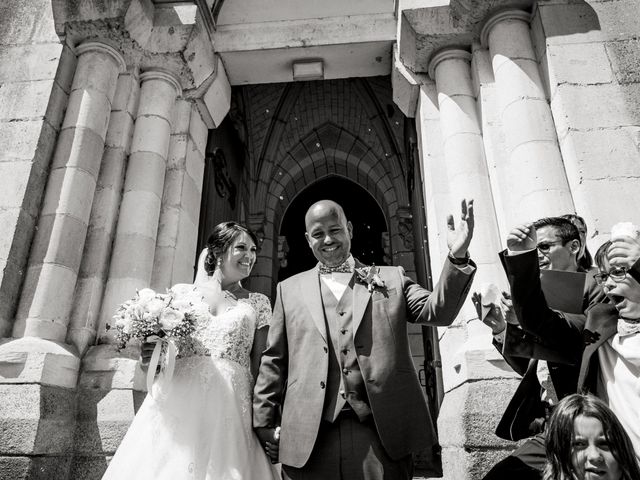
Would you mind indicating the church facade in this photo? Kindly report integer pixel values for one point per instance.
(130, 128)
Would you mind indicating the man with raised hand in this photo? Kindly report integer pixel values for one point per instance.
(549, 368)
(337, 376)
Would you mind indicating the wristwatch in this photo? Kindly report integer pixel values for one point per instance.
(459, 261)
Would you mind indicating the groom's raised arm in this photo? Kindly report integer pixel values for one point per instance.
(440, 307)
(272, 376)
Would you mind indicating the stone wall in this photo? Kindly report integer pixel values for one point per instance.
(36, 71)
(590, 54)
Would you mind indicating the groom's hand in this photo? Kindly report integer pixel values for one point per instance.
(269, 441)
(458, 239)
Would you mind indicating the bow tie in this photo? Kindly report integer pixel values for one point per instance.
(342, 268)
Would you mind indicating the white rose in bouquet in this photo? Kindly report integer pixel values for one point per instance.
(170, 319)
(145, 296)
(155, 307)
(124, 322)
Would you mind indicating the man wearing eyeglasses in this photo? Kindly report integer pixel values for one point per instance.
(551, 243)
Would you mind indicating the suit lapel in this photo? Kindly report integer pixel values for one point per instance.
(602, 324)
(310, 287)
(361, 297)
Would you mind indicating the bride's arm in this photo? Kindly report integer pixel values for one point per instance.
(259, 345)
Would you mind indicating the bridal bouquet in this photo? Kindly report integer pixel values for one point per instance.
(163, 319)
(165, 315)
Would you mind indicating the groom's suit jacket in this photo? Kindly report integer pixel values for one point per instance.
(292, 383)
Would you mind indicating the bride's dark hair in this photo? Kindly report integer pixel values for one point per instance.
(221, 238)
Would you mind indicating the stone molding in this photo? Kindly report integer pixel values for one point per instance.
(38, 360)
(148, 34)
(447, 54)
(511, 14)
(162, 75)
(93, 46)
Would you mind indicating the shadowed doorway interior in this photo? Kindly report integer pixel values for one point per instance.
(361, 210)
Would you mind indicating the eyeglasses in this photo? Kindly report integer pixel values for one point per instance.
(617, 274)
(544, 247)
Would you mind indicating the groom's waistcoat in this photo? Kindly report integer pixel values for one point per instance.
(345, 383)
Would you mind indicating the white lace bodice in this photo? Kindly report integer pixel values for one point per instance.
(229, 335)
(196, 424)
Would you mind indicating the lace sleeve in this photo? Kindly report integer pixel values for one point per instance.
(262, 306)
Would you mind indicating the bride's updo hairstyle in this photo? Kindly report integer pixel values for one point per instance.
(220, 240)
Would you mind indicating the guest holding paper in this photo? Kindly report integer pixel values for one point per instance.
(549, 244)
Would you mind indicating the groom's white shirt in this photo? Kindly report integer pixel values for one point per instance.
(338, 282)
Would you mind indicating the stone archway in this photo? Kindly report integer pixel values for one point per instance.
(325, 151)
(302, 132)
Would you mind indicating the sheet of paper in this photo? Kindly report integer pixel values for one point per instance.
(563, 291)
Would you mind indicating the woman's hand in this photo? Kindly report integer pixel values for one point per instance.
(507, 309)
(498, 315)
(270, 441)
(146, 351)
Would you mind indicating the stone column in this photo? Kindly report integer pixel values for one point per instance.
(38, 372)
(97, 250)
(433, 170)
(537, 184)
(175, 254)
(463, 147)
(469, 366)
(58, 245)
(135, 240)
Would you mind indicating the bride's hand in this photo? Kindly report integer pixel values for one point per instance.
(146, 351)
(269, 441)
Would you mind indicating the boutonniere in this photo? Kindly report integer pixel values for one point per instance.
(370, 276)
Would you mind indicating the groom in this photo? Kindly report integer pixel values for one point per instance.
(337, 375)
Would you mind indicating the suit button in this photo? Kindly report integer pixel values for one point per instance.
(343, 331)
(325, 349)
(345, 351)
(345, 371)
(322, 385)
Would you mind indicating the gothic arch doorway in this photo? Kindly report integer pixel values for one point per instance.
(361, 209)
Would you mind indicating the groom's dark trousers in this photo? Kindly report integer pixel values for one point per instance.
(348, 449)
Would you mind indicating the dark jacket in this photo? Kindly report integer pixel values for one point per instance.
(524, 346)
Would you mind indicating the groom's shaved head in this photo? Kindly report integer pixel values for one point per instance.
(328, 232)
(324, 208)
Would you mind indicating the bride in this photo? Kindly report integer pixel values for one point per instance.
(198, 424)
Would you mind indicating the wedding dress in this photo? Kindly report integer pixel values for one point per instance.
(198, 425)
